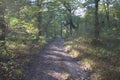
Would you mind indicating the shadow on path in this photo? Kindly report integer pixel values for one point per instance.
(53, 63)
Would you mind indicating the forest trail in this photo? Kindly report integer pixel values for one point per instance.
(53, 63)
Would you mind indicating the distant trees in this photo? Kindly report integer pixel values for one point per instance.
(47, 16)
(70, 9)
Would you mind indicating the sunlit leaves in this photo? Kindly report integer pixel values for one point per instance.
(13, 20)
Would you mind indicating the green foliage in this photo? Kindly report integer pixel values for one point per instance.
(13, 21)
(30, 25)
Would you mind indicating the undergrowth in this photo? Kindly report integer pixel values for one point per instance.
(16, 53)
(103, 59)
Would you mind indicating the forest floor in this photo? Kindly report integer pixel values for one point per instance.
(54, 63)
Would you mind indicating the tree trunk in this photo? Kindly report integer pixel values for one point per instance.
(2, 22)
(3, 29)
(96, 39)
(70, 23)
(55, 32)
(107, 14)
(39, 18)
(97, 29)
(61, 30)
(106, 6)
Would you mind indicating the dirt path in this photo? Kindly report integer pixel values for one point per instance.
(53, 63)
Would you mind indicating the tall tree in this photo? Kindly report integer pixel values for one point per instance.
(106, 4)
(39, 17)
(2, 21)
(97, 27)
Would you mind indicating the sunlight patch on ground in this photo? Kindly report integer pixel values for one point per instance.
(74, 53)
(65, 75)
(59, 76)
(68, 47)
(87, 64)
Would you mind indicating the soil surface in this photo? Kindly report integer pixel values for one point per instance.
(54, 63)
